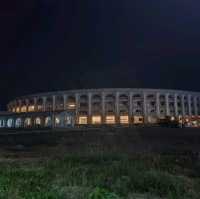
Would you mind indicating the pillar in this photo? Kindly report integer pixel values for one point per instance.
(183, 105)
(27, 104)
(145, 108)
(167, 104)
(117, 111)
(54, 103)
(189, 105)
(89, 107)
(158, 104)
(77, 106)
(175, 105)
(65, 102)
(103, 107)
(130, 107)
(35, 104)
(44, 103)
(195, 106)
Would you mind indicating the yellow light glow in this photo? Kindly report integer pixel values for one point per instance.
(110, 119)
(96, 119)
(83, 120)
(31, 108)
(124, 119)
(23, 109)
(38, 121)
(71, 106)
(57, 120)
(17, 109)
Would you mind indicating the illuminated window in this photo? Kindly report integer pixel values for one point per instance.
(38, 121)
(2, 123)
(13, 110)
(48, 121)
(124, 119)
(17, 109)
(23, 109)
(83, 120)
(57, 120)
(18, 122)
(10, 123)
(31, 108)
(96, 119)
(110, 119)
(27, 122)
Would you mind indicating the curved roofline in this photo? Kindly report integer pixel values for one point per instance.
(106, 90)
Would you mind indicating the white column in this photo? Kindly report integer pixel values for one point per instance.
(44, 103)
(27, 104)
(20, 105)
(130, 104)
(117, 104)
(54, 103)
(103, 104)
(65, 102)
(175, 105)
(183, 104)
(145, 108)
(195, 106)
(35, 104)
(90, 104)
(158, 104)
(77, 103)
(167, 104)
(189, 105)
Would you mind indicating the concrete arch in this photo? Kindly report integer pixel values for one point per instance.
(48, 121)
(10, 123)
(18, 123)
(27, 122)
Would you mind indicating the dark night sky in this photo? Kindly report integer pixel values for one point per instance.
(50, 45)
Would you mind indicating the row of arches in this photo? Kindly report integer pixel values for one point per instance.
(25, 122)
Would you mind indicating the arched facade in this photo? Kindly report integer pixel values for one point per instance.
(102, 106)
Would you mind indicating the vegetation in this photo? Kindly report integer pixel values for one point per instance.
(101, 177)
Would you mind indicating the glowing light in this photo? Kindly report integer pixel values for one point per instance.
(96, 119)
(110, 119)
(38, 121)
(83, 120)
(124, 119)
(31, 108)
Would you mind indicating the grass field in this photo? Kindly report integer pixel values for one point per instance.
(101, 177)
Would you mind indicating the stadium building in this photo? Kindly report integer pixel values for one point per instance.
(123, 106)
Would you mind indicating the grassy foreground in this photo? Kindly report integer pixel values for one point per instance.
(101, 177)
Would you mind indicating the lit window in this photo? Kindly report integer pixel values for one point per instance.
(57, 120)
(10, 123)
(27, 122)
(31, 108)
(96, 119)
(17, 109)
(110, 119)
(18, 122)
(2, 123)
(13, 110)
(83, 120)
(23, 109)
(124, 119)
(38, 121)
(48, 121)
